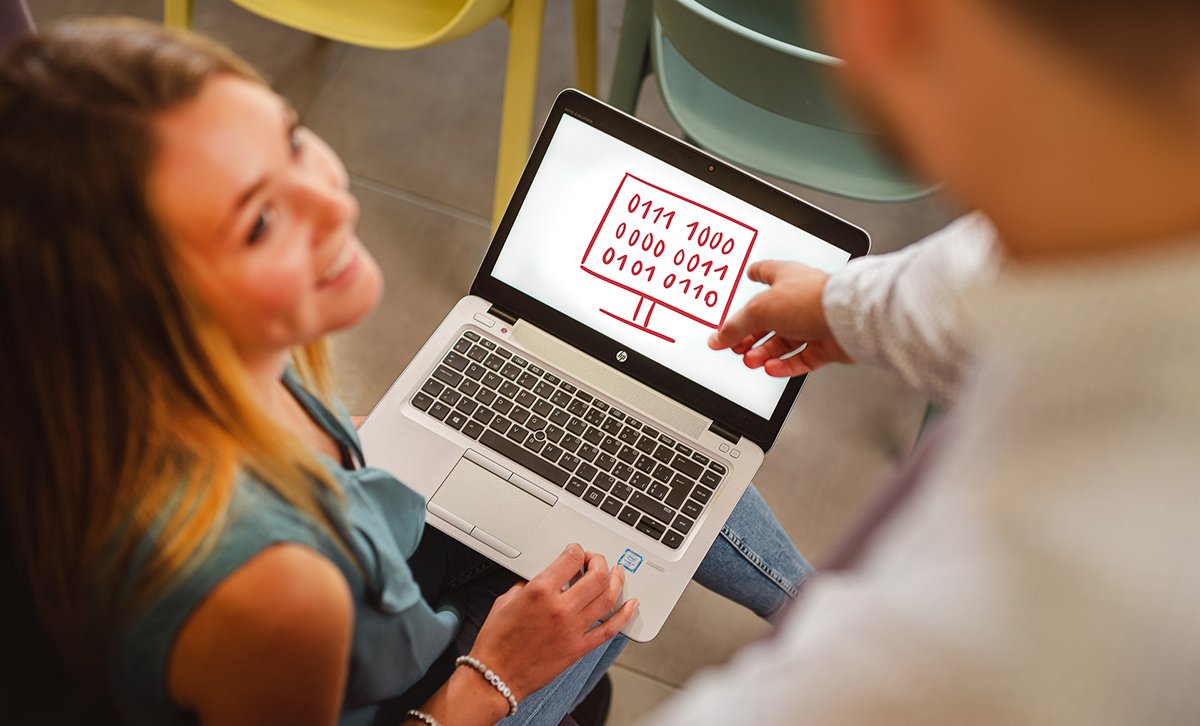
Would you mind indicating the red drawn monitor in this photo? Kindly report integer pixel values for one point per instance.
(668, 250)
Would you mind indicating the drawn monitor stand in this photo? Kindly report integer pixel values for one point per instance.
(671, 251)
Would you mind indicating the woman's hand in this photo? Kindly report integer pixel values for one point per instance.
(793, 311)
(537, 629)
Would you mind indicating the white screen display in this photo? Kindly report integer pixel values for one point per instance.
(649, 256)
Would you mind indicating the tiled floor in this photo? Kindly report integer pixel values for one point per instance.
(418, 131)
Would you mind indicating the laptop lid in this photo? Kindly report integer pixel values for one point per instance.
(632, 246)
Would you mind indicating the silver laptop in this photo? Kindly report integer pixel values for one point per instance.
(571, 396)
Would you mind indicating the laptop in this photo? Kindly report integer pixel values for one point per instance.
(571, 395)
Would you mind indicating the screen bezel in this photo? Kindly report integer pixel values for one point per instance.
(736, 419)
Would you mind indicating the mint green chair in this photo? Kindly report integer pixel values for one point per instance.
(747, 80)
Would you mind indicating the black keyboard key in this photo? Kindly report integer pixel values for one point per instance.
(571, 443)
(519, 361)
(569, 462)
(621, 491)
(604, 462)
(491, 380)
(577, 486)
(477, 354)
(493, 362)
(672, 539)
(510, 371)
(526, 399)
(560, 399)
(604, 481)
(449, 397)
(508, 389)
(577, 407)
(650, 528)
(644, 464)
(659, 491)
(718, 467)
(700, 457)
(483, 416)
(473, 429)
(534, 444)
(551, 453)
(530, 461)
(576, 427)
(469, 387)
(519, 415)
(593, 497)
(692, 508)
(469, 335)
(560, 417)
(601, 405)
(456, 361)
(629, 516)
(594, 416)
(447, 376)
(663, 454)
(527, 380)
(535, 370)
(633, 423)
(686, 451)
(517, 433)
(710, 479)
(439, 410)
(681, 486)
(611, 426)
(612, 506)
(587, 452)
(586, 472)
(543, 408)
(545, 390)
(466, 406)
(653, 507)
(433, 388)
(646, 445)
(666, 439)
(628, 454)
(503, 405)
(683, 524)
(623, 472)
(504, 353)
(535, 423)
(687, 466)
(552, 378)
(585, 396)
(628, 435)
(487, 344)
(500, 424)
(422, 401)
(618, 415)
(486, 396)
(456, 420)
(554, 433)
(567, 387)
(640, 480)
(610, 445)
(662, 472)
(593, 435)
(702, 495)
(652, 433)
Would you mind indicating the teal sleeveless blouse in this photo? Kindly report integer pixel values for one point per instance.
(397, 634)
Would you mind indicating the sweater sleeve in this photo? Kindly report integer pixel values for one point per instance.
(901, 311)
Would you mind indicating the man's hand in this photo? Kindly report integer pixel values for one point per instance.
(792, 311)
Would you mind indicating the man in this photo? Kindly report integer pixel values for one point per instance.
(1044, 569)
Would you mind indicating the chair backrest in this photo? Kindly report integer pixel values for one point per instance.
(384, 24)
(764, 64)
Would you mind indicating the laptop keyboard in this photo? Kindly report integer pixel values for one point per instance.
(605, 456)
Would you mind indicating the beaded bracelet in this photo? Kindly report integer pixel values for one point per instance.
(490, 676)
(422, 717)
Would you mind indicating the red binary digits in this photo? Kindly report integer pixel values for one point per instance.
(671, 251)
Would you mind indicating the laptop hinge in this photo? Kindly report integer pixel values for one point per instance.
(498, 312)
(730, 436)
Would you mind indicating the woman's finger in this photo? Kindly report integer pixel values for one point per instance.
(605, 601)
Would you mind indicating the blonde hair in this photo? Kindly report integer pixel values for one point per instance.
(127, 414)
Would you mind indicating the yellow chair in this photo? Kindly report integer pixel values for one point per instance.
(411, 24)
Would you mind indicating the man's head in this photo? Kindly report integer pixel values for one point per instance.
(1074, 124)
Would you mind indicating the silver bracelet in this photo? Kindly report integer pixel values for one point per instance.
(490, 676)
(422, 717)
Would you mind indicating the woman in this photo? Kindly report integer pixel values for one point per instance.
(199, 523)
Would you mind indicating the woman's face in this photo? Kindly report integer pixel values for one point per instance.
(260, 211)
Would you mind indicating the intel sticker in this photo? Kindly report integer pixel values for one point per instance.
(631, 560)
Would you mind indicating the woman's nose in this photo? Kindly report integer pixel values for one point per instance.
(328, 203)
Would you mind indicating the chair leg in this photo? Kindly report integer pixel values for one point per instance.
(178, 13)
(520, 87)
(586, 42)
(633, 55)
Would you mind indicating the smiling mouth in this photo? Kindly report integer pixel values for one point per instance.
(340, 263)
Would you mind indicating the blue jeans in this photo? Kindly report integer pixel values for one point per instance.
(752, 562)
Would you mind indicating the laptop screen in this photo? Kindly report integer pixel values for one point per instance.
(649, 256)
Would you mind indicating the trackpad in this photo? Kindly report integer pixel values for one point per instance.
(489, 503)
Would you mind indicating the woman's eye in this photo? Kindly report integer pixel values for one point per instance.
(262, 224)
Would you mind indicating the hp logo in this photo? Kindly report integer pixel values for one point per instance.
(622, 356)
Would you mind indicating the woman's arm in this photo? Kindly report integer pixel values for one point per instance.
(270, 644)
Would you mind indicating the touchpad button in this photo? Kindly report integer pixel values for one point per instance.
(491, 503)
